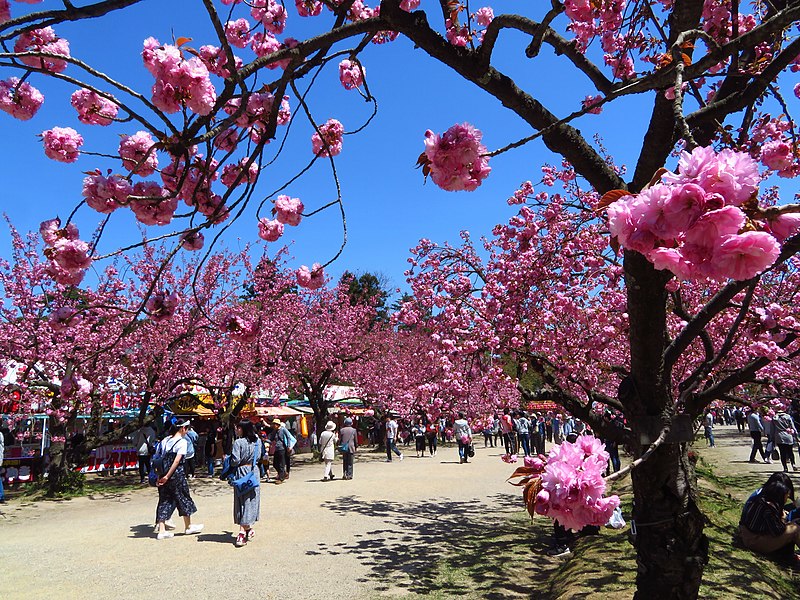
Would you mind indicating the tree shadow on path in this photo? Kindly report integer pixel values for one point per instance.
(449, 548)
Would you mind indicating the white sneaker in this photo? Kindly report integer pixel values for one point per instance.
(194, 529)
(165, 535)
(401, 457)
(168, 525)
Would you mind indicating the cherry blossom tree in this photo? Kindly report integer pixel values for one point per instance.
(707, 75)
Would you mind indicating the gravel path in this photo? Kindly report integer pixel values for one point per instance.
(359, 539)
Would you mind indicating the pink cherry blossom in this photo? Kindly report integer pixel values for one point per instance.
(216, 61)
(784, 226)
(592, 104)
(484, 15)
(231, 172)
(105, 194)
(138, 154)
(192, 240)
(63, 318)
(409, 5)
(62, 144)
(271, 14)
(351, 74)
(328, 142)
(227, 140)
(778, 156)
(456, 34)
(5, 11)
(456, 159)
(311, 279)
(152, 204)
(20, 100)
(71, 255)
(64, 276)
(160, 306)
(238, 33)
(744, 255)
(51, 231)
(270, 230)
(308, 8)
(43, 40)
(288, 210)
(74, 385)
(93, 109)
(733, 175)
(179, 83)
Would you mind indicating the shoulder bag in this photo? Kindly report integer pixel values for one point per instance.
(245, 485)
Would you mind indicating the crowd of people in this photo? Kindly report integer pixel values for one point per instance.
(774, 432)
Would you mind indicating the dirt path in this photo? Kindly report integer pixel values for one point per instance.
(731, 457)
(365, 538)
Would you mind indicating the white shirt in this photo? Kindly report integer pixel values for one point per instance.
(391, 429)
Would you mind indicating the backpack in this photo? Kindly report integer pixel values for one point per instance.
(158, 468)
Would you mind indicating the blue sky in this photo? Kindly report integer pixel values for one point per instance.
(388, 206)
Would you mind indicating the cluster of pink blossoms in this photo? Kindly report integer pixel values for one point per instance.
(43, 40)
(193, 240)
(456, 159)
(692, 224)
(351, 74)
(74, 385)
(105, 194)
(92, 108)
(288, 210)
(62, 144)
(311, 279)
(63, 318)
(20, 100)
(162, 305)
(328, 142)
(152, 204)
(573, 485)
(68, 256)
(179, 83)
(239, 328)
(138, 154)
(270, 230)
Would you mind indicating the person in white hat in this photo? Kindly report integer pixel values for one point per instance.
(173, 489)
(327, 444)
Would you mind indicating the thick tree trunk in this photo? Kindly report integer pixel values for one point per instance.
(670, 545)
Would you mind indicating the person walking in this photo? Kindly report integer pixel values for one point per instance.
(756, 428)
(507, 430)
(173, 489)
(279, 439)
(245, 452)
(523, 431)
(556, 424)
(463, 435)
(210, 448)
(348, 442)
(785, 436)
(145, 444)
(191, 448)
(327, 445)
(430, 434)
(708, 428)
(391, 437)
(419, 438)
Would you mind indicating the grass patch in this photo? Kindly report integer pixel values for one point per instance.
(509, 560)
(78, 485)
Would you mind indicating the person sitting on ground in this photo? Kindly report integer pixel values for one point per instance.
(763, 527)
